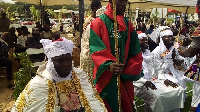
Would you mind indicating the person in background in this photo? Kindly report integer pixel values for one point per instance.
(194, 50)
(21, 40)
(152, 90)
(46, 34)
(4, 21)
(46, 17)
(10, 37)
(165, 57)
(38, 25)
(75, 20)
(150, 30)
(144, 29)
(34, 48)
(19, 31)
(5, 62)
(85, 58)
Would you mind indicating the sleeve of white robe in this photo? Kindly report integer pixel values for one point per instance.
(95, 104)
(33, 98)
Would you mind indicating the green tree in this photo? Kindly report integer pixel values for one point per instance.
(35, 13)
(24, 75)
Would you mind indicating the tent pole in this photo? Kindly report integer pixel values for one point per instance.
(41, 12)
(81, 18)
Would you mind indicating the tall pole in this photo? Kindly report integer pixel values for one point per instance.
(81, 17)
(117, 53)
(41, 13)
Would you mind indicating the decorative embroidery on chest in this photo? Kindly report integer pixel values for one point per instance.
(69, 99)
(119, 35)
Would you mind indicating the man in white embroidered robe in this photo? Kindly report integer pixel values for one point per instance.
(86, 62)
(58, 87)
(158, 95)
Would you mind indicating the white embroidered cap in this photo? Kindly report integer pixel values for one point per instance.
(141, 35)
(58, 47)
(166, 32)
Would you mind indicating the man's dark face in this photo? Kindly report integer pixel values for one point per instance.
(168, 40)
(121, 6)
(144, 43)
(63, 64)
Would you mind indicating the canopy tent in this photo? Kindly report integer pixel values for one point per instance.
(49, 2)
(152, 4)
(177, 2)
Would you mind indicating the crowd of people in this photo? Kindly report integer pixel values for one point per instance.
(155, 64)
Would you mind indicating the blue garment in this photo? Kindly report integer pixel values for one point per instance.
(149, 31)
(198, 108)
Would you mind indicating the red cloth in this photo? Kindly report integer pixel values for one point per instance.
(120, 18)
(174, 11)
(197, 9)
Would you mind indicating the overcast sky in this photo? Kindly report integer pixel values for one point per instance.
(8, 1)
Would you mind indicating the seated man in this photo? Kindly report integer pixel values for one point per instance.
(46, 34)
(166, 56)
(5, 62)
(58, 86)
(35, 49)
(21, 40)
(160, 96)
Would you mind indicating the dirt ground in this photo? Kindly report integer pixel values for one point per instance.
(6, 99)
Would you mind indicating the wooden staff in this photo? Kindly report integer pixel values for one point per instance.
(117, 52)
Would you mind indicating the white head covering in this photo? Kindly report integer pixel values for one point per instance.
(56, 48)
(163, 33)
(141, 35)
(156, 34)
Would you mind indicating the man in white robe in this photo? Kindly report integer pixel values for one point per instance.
(58, 86)
(86, 62)
(159, 98)
(166, 56)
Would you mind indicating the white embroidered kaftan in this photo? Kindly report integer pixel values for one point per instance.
(162, 99)
(42, 94)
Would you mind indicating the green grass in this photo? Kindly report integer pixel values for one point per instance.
(187, 103)
(188, 100)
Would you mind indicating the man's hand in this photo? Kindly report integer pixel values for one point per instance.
(116, 68)
(178, 62)
(170, 83)
(149, 84)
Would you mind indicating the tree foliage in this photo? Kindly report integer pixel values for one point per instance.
(24, 75)
(35, 13)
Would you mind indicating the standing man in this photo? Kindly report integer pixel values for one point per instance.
(85, 60)
(102, 49)
(4, 22)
